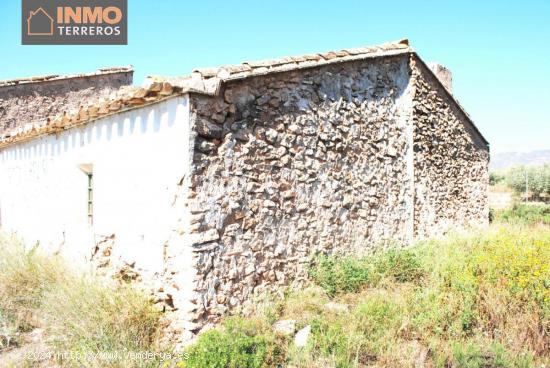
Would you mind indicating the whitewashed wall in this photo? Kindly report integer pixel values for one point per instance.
(138, 159)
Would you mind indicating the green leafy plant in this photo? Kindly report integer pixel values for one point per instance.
(347, 274)
(240, 343)
(525, 213)
(401, 265)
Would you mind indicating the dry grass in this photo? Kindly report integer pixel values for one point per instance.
(80, 314)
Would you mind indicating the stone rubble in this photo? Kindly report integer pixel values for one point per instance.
(302, 337)
(285, 327)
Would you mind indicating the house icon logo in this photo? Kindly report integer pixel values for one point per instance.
(74, 22)
(39, 23)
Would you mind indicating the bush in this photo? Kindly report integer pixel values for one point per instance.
(338, 275)
(344, 274)
(399, 265)
(355, 338)
(240, 343)
(475, 300)
(496, 178)
(524, 213)
(489, 282)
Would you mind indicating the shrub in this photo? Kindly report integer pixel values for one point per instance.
(496, 177)
(400, 265)
(343, 274)
(453, 291)
(525, 213)
(357, 338)
(347, 274)
(240, 343)
(489, 281)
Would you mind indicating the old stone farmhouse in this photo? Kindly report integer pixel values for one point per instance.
(214, 187)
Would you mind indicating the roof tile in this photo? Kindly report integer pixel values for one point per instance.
(203, 80)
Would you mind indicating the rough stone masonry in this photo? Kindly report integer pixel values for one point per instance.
(338, 152)
(37, 98)
(341, 158)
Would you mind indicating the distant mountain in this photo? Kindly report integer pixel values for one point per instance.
(507, 159)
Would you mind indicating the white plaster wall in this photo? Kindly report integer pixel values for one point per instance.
(138, 159)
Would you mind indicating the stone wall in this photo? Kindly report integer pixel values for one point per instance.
(450, 160)
(297, 163)
(23, 102)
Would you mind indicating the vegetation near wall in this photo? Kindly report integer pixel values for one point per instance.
(480, 299)
(470, 299)
(77, 315)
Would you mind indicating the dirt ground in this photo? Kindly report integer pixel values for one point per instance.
(500, 197)
(32, 352)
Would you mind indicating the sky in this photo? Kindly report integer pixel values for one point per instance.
(497, 50)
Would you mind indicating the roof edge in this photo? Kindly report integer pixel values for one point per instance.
(126, 98)
(81, 118)
(57, 77)
(208, 81)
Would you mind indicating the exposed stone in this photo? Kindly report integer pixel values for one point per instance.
(206, 146)
(308, 175)
(205, 237)
(207, 129)
(271, 135)
(302, 337)
(285, 327)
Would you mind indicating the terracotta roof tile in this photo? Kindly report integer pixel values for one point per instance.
(125, 99)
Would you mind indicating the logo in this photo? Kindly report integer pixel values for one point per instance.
(74, 22)
(39, 23)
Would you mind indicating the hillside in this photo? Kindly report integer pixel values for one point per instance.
(507, 159)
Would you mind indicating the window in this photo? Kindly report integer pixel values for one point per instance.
(88, 169)
(90, 199)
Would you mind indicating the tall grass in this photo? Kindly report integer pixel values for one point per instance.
(469, 300)
(478, 299)
(81, 315)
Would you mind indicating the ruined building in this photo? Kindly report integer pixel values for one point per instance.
(214, 187)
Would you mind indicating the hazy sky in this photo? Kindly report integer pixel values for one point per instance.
(498, 51)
